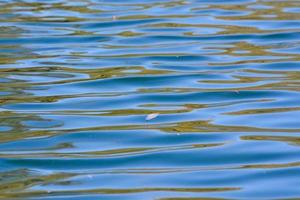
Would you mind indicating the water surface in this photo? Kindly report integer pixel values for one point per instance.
(78, 78)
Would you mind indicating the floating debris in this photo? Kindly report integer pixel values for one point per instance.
(152, 116)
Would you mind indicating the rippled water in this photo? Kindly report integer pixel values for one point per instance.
(78, 78)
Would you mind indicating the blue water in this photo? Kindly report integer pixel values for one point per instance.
(219, 78)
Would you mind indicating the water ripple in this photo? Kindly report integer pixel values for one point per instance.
(78, 79)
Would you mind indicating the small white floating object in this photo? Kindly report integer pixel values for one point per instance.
(152, 116)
